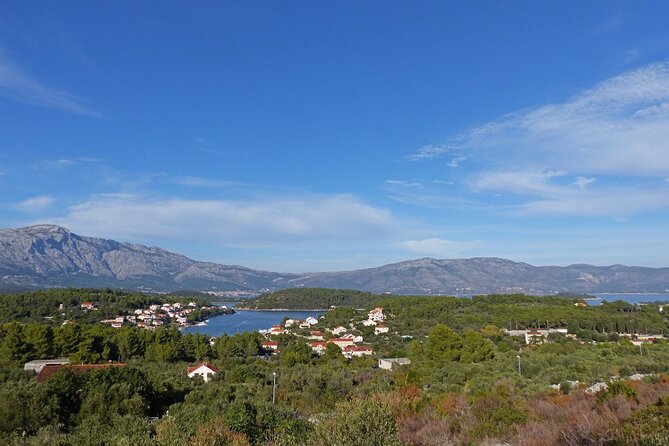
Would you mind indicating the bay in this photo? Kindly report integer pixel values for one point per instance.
(632, 298)
(247, 320)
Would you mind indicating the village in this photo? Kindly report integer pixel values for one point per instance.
(347, 339)
(347, 335)
(159, 315)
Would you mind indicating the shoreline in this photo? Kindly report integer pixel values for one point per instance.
(281, 309)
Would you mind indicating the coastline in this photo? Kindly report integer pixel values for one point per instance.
(281, 309)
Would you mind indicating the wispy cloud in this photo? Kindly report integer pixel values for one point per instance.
(64, 163)
(439, 247)
(619, 129)
(455, 162)
(35, 204)
(232, 222)
(404, 183)
(17, 84)
(205, 182)
(620, 126)
(571, 197)
(429, 151)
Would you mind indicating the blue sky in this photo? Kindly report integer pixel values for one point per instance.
(302, 136)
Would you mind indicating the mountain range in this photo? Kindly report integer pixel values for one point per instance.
(44, 256)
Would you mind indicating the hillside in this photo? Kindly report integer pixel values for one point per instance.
(51, 256)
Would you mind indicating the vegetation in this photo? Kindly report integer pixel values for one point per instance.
(312, 299)
(56, 306)
(463, 386)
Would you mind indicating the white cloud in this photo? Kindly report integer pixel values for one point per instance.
(429, 152)
(17, 84)
(232, 222)
(582, 182)
(438, 247)
(35, 204)
(205, 182)
(621, 126)
(404, 183)
(617, 131)
(614, 202)
(62, 163)
(571, 198)
(455, 162)
(517, 182)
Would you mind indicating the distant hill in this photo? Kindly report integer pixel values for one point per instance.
(48, 256)
(51, 256)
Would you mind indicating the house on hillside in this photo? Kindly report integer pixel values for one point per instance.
(357, 350)
(205, 370)
(381, 328)
(338, 330)
(89, 306)
(290, 322)
(272, 346)
(352, 337)
(316, 335)
(276, 330)
(341, 342)
(377, 315)
(318, 347)
(311, 320)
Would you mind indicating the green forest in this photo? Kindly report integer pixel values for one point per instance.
(469, 382)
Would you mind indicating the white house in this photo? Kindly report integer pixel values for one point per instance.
(368, 323)
(353, 337)
(270, 345)
(338, 330)
(376, 315)
(341, 342)
(290, 322)
(311, 320)
(316, 335)
(204, 370)
(318, 347)
(381, 328)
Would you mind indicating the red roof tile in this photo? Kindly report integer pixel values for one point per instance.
(51, 369)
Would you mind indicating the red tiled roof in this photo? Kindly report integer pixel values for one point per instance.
(318, 343)
(51, 369)
(270, 343)
(357, 348)
(206, 364)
